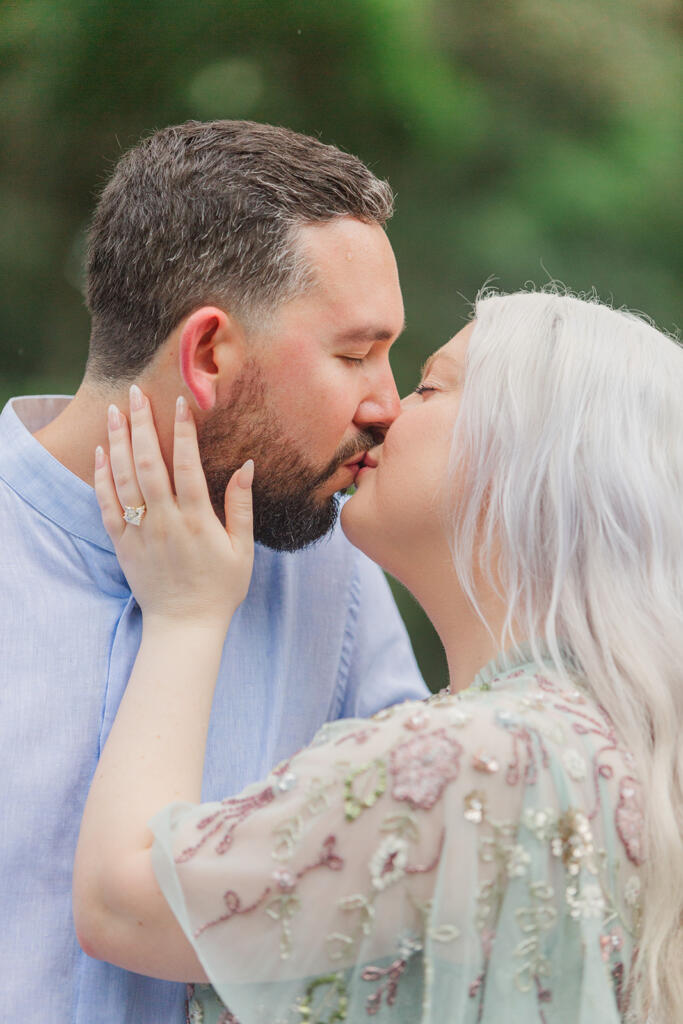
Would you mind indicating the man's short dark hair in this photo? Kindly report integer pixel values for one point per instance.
(208, 213)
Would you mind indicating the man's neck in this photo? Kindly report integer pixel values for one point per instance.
(73, 435)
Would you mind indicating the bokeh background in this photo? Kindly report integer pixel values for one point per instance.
(527, 140)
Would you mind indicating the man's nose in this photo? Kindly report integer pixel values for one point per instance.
(380, 407)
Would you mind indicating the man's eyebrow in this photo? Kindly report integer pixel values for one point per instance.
(370, 332)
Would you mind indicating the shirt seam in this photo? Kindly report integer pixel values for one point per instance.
(349, 639)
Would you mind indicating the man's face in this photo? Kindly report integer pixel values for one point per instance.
(317, 390)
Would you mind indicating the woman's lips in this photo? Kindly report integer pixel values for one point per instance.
(367, 463)
(353, 465)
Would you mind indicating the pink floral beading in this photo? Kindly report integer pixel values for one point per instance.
(422, 767)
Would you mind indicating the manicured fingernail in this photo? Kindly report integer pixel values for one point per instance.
(99, 457)
(137, 399)
(245, 475)
(181, 408)
(115, 419)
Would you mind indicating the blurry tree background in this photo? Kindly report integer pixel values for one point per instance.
(526, 140)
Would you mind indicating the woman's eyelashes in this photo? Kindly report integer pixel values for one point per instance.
(422, 388)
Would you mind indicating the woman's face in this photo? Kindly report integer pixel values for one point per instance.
(396, 515)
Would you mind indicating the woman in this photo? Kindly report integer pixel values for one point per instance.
(508, 851)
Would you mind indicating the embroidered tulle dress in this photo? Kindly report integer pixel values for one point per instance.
(473, 858)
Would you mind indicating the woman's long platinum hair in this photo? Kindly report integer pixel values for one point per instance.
(569, 453)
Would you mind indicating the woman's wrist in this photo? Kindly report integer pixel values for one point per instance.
(168, 627)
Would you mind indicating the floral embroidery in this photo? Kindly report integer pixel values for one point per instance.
(231, 814)
(354, 804)
(195, 1012)
(588, 903)
(282, 909)
(516, 861)
(234, 906)
(287, 835)
(360, 736)
(331, 986)
(546, 865)
(532, 921)
(632, 891)
(575, 764)
(630, 819)
(542, 823)
(390, 976)
(423, 766)
(194, 1006)
(388, 864)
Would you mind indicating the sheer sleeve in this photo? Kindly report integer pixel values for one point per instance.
(465, 853)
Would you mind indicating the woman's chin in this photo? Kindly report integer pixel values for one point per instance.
(359, 526)
(355, 525)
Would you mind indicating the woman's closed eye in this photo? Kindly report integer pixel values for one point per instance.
(421, 389)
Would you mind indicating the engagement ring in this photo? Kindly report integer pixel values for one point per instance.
(134, 514)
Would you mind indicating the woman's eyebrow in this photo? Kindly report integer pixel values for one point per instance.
(440, 354)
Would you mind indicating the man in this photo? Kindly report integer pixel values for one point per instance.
(245, 267)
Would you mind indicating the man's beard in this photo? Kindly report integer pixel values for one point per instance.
(287, 513)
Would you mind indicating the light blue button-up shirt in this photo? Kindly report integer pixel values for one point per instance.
(317, 638)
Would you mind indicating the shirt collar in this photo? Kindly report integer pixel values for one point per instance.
(40, 479)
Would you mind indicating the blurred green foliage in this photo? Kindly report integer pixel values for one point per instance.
(526, 141)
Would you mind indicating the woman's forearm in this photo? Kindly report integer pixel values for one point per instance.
(155, 751)
(154, 755)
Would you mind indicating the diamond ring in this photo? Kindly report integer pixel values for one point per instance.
(134, 514)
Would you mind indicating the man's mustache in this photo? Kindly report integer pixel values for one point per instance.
(360, 444)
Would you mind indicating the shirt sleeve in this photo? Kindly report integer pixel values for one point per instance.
(433, 856)
(378, 667)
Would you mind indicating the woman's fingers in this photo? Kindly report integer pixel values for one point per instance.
(149, 466)
(121, 459)
(190, 483)
(238, 506)
(107, 498)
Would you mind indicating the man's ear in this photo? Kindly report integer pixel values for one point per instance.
(210, 348)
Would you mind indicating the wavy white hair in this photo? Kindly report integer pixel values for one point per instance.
(569, 452)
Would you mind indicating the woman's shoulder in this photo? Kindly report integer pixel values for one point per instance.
(522, 738)
(526, 701)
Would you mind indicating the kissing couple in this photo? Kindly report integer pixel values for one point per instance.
(487, 854)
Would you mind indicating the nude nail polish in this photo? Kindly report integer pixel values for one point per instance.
(137, 399)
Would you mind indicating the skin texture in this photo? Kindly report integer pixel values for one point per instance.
(155, 752)
(325, 387)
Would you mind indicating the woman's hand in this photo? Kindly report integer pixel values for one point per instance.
(180, 562)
